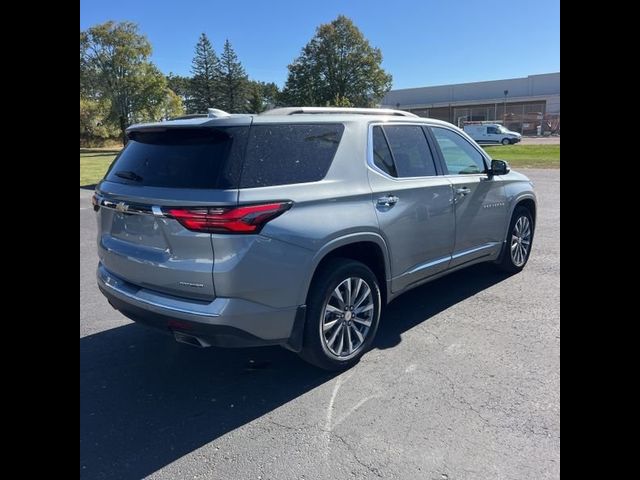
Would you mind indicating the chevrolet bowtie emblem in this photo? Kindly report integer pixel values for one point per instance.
(122, 207)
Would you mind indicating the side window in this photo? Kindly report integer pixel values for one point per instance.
(381, 154)
(410, 151)
(459, 155)
(492, 130)
(281, 154)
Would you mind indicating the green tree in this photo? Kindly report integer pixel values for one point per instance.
(156, 100)
(115, 68)
(338, 63)
(271, 94)
(87, 79)
(94, 130)
(233, 82)
(261, 96)
(256, 100)
(181, 86)
(301, 88)
(339, 101)
(205, 68)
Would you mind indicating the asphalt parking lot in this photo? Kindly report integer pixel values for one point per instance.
(463, 383)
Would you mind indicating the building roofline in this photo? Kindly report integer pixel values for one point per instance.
(482, 101)
(473, 83)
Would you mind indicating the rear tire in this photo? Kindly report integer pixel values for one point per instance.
(343, 313)
(517, 249)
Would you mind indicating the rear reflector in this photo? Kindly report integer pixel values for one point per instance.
(242, 219)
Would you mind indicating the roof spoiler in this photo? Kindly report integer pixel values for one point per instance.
(217, 113)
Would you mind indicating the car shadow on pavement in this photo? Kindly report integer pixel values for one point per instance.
(420, 304)
(146, 401)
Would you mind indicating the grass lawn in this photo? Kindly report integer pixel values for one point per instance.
(534, 156)
(94, 163)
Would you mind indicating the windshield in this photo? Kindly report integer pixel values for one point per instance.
(501, 129)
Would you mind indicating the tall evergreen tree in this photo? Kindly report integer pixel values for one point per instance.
(271, 94)
(261, 96)
(205, 68)
(256, 100)
(233, 84)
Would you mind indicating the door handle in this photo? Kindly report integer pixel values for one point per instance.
(387, 201)
(463, 191)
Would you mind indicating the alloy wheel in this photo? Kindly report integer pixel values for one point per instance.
(347, 317)
(520, 241)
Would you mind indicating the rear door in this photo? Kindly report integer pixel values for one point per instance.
(143, 236)
(484, 136)
(493, 134)
(413, 202)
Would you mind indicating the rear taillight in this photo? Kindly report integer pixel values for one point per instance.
(242, 219)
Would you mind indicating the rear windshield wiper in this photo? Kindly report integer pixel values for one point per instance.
(129, 175)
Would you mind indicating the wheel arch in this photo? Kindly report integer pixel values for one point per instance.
(527, 200)
(368, 248)
(529, 203)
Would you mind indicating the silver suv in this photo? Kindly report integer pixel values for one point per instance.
(296, 226)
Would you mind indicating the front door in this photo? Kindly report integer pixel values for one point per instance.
(479, 199)
(413, 202)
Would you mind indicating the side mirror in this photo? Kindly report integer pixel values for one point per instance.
(499, 167)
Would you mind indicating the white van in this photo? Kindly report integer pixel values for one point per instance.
(492, 133)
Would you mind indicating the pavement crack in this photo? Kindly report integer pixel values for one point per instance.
(287, 427)
(468, 406)
(370, 468)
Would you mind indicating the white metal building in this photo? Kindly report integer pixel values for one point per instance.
(521, 104)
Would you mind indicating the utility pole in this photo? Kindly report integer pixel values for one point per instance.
(504, 112)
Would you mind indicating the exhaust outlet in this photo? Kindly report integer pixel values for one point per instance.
(190, 340)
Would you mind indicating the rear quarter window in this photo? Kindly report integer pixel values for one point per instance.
(281, 154)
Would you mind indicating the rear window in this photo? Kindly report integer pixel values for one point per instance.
(281, 154)
(181, 158)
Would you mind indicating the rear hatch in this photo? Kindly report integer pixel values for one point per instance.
(156, 203)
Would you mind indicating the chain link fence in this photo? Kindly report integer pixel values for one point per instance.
(527, 118)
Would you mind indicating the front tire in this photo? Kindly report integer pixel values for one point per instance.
(343, 313)
(517, 249)
(506, 141)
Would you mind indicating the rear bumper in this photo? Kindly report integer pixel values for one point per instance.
(223, 322)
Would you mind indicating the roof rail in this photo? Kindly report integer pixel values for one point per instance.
(320, 110)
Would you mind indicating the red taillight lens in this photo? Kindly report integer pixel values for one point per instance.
(243, 219)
